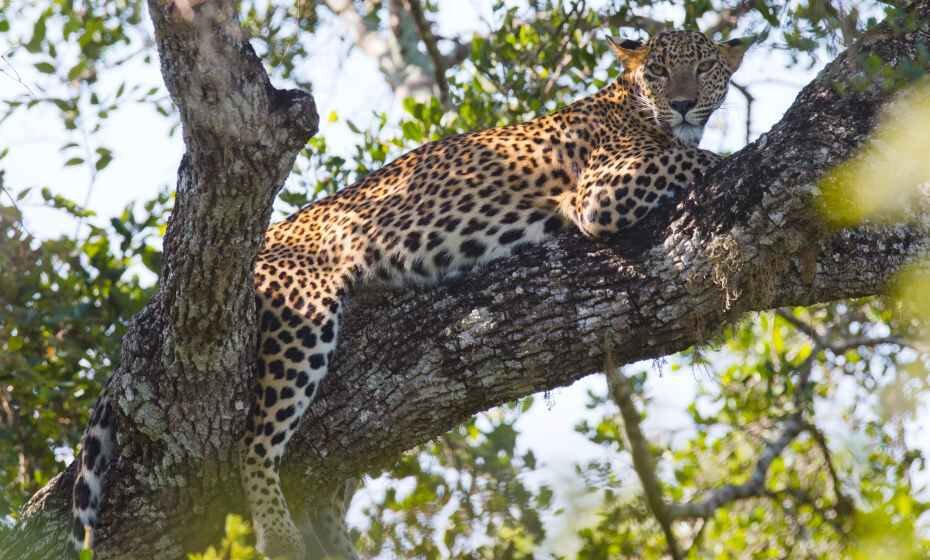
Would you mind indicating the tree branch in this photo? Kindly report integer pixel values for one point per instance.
(754, 487)
(792, 426)
(844, 505)
(750, 99)
(397, 59)
(840, 347)
(432, 48)
(621, 392)
(729, 18)
(459, 53)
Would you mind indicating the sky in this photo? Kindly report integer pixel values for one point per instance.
(347, 82)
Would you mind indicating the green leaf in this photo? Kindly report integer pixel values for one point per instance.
(76, 70)
(104, 158)
(45, 68)
(73, 24)
(14, 343)
(412, 131)
(38, 36)
(767, 13)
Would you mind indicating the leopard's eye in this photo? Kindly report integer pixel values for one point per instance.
(705, 66)
(657, 69)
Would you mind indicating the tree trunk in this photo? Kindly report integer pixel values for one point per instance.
(411, 364)
(183, 384)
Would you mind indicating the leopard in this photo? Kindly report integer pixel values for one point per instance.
(600, 164)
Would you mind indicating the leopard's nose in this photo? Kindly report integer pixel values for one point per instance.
(683, 106)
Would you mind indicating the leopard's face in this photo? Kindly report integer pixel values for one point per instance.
(682, 78)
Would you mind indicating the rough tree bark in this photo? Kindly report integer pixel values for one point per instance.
(411, 364)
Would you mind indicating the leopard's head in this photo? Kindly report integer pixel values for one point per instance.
(680, 77)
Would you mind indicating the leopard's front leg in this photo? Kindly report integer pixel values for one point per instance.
(623, 182)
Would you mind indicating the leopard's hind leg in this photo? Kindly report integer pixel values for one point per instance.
(298, 319)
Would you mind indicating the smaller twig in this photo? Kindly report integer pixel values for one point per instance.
(649, 25)
(459, 53)
(621, 391)
(21, 223)
(576, 10)
(843, 504)
(857, 342)
(432, 48)
(803, 393)
(753, 488)
(698, 537)
(836, 347)
(750, 99)
(729, 18)
(793, 426)
(805, 328)
(15, 77)
(145, 48)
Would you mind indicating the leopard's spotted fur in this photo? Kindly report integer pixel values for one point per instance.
(601, 163)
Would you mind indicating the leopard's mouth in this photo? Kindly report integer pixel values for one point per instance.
(688, 133)
(687, 128)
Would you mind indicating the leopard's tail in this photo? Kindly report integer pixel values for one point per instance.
(96, 453)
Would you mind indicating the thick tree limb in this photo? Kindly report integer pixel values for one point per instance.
(412, 364)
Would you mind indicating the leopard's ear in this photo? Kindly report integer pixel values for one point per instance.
(629, 52)
(732, 51)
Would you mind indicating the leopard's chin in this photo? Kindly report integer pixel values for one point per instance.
(688, 133)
